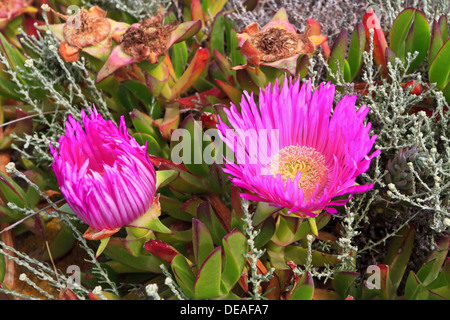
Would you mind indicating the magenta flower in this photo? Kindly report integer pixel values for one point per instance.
(290, 152)
(105, 176)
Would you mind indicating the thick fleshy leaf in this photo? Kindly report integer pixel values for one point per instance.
(337, 56)
(183, 275)
(443, 24)
(153, 147)
(116, 60)
(439, 72)
(184, 31)
(371, 21)
(235, 246)
(355, 51)
(398, 255)
(144, 124)
(412, 287)
(161, 249)
(304, 289)
(201, 241)
(208, 281)
(345, 282)
(400, 30)
(234, 94)
(217, 37)
(193, 72)
(117, 251)
(430, 271)
(418, 39)
(10, 191)
(263, 211)
(207, 215)
(436, 42)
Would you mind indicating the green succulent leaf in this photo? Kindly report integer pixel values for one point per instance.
(235, 246)
(208, 281)
(10, 191)
(443, 24)
(304, 290)
(183, 275)
(398, 255)
(399, 32)
(344, 283)
(410, 32)
(201, 241)
(355, 51)
(439, 72)
(337, 56)
(436, 42)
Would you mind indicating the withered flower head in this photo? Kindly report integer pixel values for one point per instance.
(147, 40)
(87, 30)
(275, 43)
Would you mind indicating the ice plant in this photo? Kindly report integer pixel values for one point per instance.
(9, 9)
(277, 44)
(292, 153)
(146, 41)
(89, 31)
(105, 176)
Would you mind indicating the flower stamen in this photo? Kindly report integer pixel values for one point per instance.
(310, 162)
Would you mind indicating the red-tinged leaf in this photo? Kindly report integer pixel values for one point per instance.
(192, 73)
(184, 31)
(200, 100)
(166, 164)
(398, 255)
(222, 211)
(418, 39)
(326, 51)
(209, 120)
(207, 283)
(371, 21)
(196, 10)
(304, 289)
(191, 206)
(161, 249)
(116, 60)
(235, 246)
(313, 28)
(356, 49)
(436, 42)
(183, 275)
(337, 56)
(443, 24)
(223, 63)
(234, 94)
(439, 72)
(390, 56)
(170, 122)
(202, 241)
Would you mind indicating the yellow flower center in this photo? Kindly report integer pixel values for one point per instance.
(293, 159)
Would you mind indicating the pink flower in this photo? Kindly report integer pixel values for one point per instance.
(105, 176)
(314, 156)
